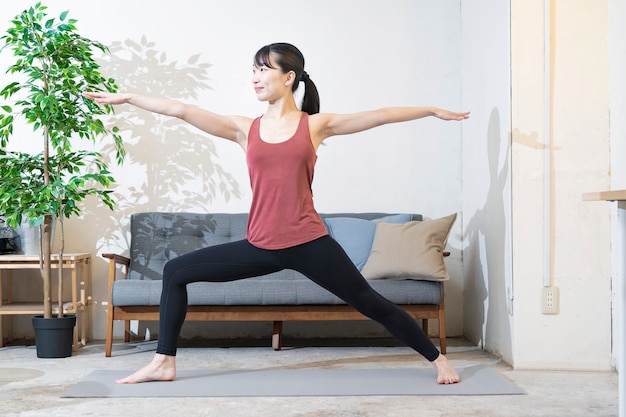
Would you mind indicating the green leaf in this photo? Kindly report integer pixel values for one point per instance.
(64, 15)
(7, 109)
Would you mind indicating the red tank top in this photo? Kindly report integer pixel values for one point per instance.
(282, 212)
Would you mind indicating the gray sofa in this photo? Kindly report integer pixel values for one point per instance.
(156, 237)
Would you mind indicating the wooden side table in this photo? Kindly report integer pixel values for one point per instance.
(620, 197)
(80, 266)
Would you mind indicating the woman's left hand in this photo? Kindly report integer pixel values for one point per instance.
(451, 115)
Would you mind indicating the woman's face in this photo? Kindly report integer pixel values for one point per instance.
(270, 84)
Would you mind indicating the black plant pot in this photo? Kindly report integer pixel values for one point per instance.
(54, 337)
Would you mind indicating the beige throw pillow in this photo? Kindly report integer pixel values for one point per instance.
(410, 250)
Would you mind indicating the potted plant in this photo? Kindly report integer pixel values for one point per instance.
(52, 66)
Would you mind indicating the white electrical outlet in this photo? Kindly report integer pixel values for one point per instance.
(550, 300)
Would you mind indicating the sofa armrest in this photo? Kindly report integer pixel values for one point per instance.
(114, 261)
(117, 259)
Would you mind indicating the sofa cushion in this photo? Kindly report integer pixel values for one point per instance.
(356, 235)
(410, 250)
(255, 291)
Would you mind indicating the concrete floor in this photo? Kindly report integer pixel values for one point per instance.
(31, 386)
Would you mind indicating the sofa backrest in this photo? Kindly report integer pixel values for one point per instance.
(157, 237)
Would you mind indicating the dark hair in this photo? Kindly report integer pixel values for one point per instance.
(289, 58)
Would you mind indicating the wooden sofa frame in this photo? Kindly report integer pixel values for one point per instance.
(274, 313)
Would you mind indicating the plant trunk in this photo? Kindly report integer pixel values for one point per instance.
(45, 230)
(60, 269)
(46, 270)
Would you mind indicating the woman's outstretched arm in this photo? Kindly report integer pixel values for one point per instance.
(233, 128)
(326, 125)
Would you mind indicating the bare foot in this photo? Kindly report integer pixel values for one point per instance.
(162, 368)
(446, 374)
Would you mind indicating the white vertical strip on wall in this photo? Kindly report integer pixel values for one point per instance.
(547, 133)
(617, 134)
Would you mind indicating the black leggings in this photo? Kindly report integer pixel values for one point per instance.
(322, 260)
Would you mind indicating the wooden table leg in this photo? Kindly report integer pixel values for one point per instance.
(75, 306)
(1, 316)
(9, 319)
(621, 308)
(86, 298)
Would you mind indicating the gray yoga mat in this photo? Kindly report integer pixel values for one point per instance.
(475, 380)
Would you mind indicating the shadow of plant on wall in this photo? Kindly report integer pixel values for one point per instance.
(161, 237)
(185, 173)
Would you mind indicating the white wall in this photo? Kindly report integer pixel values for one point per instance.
(504, 209)
(503, 182)
(578, 248)
(486, 87)
(360, 54)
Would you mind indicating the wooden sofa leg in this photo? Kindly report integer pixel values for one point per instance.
(442, 331)
(442, 322)
(108, 342)
(277, 335)
(126, 331)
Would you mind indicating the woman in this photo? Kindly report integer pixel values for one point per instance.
(284, 230)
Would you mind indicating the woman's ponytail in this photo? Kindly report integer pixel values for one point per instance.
(311, 99)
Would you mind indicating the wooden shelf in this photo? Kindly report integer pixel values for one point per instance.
(614, 195)
(79, 266)
(19, 308)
